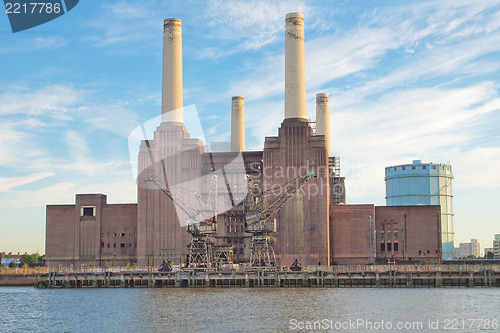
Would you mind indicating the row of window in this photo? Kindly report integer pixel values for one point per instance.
(234, 240)
(115, 245)
(235, 228)
(423, 167)
(389, 246)
(383, 235)
(123, 234)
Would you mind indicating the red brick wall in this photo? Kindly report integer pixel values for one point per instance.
(418, 231)
(350, 234)
(60, 234)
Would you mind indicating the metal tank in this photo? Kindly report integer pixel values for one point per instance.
(424, 184)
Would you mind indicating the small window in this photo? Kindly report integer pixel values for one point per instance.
(424, 167)
(404, 168)
(382, 235)
(130, 245)
(114, 244)
(396, 235)
(434, 167)
(389, 247)
(114, 234)
(122, 245)
(396, 246)
(382, 247)
(395, 169)
(102, 244)
(413, 167)
(88, 211)
(109, 245)
(123, 234)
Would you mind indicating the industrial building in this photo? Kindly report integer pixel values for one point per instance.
(424, 184)
(315, 226)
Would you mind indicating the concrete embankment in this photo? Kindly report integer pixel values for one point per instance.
(17, 280)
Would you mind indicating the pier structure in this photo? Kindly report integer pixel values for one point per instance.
(395, 277)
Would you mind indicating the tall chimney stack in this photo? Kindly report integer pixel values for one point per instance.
(237, 124)
(323, 118)
(171, 96)
(295, 68)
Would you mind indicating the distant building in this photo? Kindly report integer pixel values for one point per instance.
(487, 250)
(424, 184)
(496, 246)
(465, 250)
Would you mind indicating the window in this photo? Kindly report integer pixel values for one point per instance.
(130, 245)
(114, 244)
(109, 245)
(396, 246)
(396, 235)
(122, 245)
(102, 244)
(395, 169)
(88, 211)
(413, 167)
(382, 247)
(123, 234)
(434, 167)
(382, 235)
(424, 167)
(389, 247)
(114, 234)
(404, 168)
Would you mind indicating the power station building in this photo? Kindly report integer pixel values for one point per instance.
(424, 184)
(314, 226)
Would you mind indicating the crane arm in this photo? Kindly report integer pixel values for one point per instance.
(177, 201)
(289, 190)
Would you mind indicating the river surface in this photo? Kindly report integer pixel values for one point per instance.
(25, 309)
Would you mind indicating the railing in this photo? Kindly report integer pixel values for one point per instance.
(242, 268)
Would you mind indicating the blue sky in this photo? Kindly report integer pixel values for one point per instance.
(407, 80)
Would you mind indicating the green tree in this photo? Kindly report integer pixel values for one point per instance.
(12, 264)
(471, 257)
(30, 258)
(490, 255)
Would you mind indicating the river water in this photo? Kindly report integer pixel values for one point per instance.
(26, 309)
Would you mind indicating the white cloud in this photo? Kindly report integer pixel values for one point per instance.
(53, 101)
(31, 44)
(11, 182)
(251, 24)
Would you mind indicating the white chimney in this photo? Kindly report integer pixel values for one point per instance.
(171, 96)
(323, 118)
(295, 68)
(238, 124)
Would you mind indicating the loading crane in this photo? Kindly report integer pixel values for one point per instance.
(203, 250)
(259, 220)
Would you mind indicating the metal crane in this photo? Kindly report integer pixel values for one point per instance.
(260, 222)
(203, 248)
